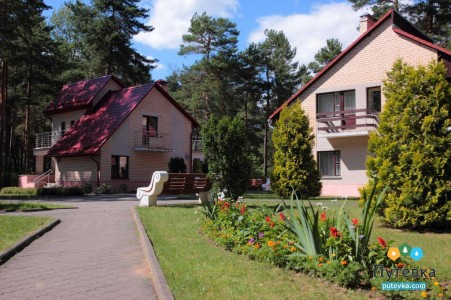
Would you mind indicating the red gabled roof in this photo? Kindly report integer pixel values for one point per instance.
(396, 20)
(78, 95)
(87, 136)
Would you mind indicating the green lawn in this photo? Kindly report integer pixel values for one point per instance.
(30, 206)
(196, 269)
(15, 228)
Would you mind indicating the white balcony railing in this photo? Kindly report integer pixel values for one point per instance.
(355, 122)
(45, 140)
(152, 141)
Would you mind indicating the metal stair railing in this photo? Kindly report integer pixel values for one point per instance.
(43, 176)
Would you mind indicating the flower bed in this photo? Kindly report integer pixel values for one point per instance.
(317, 242)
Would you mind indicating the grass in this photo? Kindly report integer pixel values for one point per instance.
(30, 206)
(196, 269)
(15, 228)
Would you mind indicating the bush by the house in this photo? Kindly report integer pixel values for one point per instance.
(412, 150)
(17, 191)
(177, 165)
(61, 191)
(86, 188)
(104, 188)
(294, 164)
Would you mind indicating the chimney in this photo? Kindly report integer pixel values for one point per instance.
(162, 83)
(366, 22)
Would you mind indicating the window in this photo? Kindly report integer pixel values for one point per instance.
(119, 166)
(150, 125)
(329, 163)
(374, 99)
(63, 128)
(72, 123)
(335, 102)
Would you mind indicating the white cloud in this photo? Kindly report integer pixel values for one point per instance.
(309, 32)
(171, 19)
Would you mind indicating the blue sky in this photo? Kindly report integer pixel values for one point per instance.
(306, 23)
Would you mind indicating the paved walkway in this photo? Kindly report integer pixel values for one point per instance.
(94, 253)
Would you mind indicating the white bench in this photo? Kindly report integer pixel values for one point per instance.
(174, 184)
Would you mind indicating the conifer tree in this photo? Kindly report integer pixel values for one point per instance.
(412, 150)
(294, 164)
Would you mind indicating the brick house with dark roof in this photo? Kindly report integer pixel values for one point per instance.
(105, 132)
(344, 99)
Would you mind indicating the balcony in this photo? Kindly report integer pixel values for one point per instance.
(346, 123)
(46, 140)
(152, 141)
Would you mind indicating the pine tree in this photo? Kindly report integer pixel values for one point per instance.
(294, 165)
(105, 31)
(412, 150)
(432, 17)
(281, 77)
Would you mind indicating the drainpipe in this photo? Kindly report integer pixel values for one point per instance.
(98, 170)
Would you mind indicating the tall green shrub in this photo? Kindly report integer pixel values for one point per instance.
(226, 152)
(294, 164)
(412, 150)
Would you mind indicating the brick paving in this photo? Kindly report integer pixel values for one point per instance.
(94, 253)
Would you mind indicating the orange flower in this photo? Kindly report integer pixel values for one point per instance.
(320, 259)
(355, 222)
(328, 262)
(293, 249)
(271, 244)
(320, 265)
(272, 224)
(323, 217)
(344, 262)
(257, 246)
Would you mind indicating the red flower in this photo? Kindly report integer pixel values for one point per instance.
(382, 242)
(243, 209)
(282, 216)
(334, 232)
(272, 224)
(226, 205)
(268, 219)
(355, 222)
(323, 217)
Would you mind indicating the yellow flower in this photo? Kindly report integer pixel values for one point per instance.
(328, 262)
(333, 254)
(424, 294)
(271, 244)
(436, 283)
(373, 288)
(440, 295)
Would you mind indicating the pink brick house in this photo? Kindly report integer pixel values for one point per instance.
(105, 132)
(344, 99)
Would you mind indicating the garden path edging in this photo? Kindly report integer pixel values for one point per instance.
(160, 284)
(6, 255)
